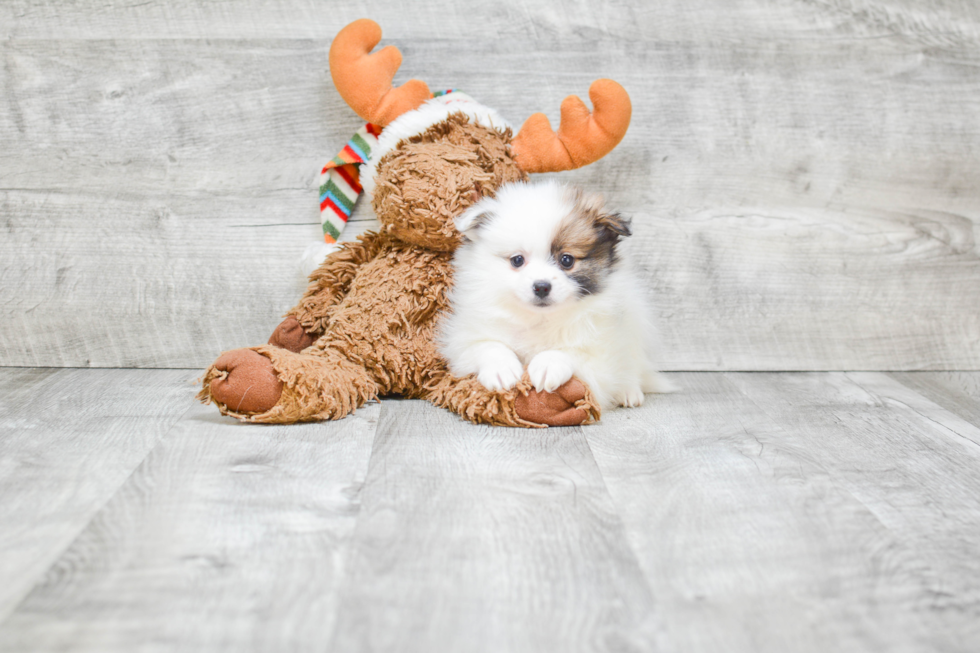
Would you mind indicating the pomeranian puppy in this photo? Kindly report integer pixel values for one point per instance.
(540, 283)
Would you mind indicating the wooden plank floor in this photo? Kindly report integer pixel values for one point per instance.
(749, 512)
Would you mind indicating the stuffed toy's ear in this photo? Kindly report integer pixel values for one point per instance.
(583, 136)
(469, 221)
(364, 79)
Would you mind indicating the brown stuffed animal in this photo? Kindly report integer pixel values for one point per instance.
(366, 325)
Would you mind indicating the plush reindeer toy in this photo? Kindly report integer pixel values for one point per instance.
(366, 325)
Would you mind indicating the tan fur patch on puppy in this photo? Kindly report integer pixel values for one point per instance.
(589, 234)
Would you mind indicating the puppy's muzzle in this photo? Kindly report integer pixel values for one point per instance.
(541, 288)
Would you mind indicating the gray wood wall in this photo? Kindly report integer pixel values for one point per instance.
(803, 175)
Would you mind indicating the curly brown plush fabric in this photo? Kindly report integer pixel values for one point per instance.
(429, 179)
(372, 308)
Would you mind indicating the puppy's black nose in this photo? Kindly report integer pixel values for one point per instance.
(541, 288)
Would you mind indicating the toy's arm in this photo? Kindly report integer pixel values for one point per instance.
(329, 284)
(570, 405)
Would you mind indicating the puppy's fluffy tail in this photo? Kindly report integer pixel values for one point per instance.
(658, 383)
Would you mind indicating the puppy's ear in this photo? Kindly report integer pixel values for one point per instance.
(593, 205)
(615, 223)
(469, 221)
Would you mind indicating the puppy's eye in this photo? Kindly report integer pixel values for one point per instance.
(517, 260)
(566, 261)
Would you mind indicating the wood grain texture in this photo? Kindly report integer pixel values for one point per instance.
(81, 296)
(488, 539)
(749, 512)
(800, 174)
(938, 21)
(957, 392)
(228, 537)
(925, 490)
(776, 512)
(68, 440)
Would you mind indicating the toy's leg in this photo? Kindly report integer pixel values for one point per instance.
(268, 384)
(241, 382)
(329, 284)
(291, 335)
(570, 405)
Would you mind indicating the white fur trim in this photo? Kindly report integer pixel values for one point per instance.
(418, 120)
(314, 254)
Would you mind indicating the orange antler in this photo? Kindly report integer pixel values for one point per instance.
(582, 137)
(364, 79)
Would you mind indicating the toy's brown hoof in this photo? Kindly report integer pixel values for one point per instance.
(553, 408)
(249, 383)
(290, 335)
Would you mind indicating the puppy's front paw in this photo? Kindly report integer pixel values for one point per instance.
(550, 369)
(501, 374)
(632, 397)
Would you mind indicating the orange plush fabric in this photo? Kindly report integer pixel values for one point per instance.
(364, 79)
(582, 137)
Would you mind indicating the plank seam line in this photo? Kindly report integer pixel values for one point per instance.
(774, 424)
(943, 428)
(955, 395)
(101, 508)
(348, 550)
(619, 518)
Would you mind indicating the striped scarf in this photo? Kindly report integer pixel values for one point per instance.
(339, 179)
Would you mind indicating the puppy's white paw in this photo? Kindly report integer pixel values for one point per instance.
(502, 373)
(632, 398)
(549, 370)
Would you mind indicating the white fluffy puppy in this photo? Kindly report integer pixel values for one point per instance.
(539, 283)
